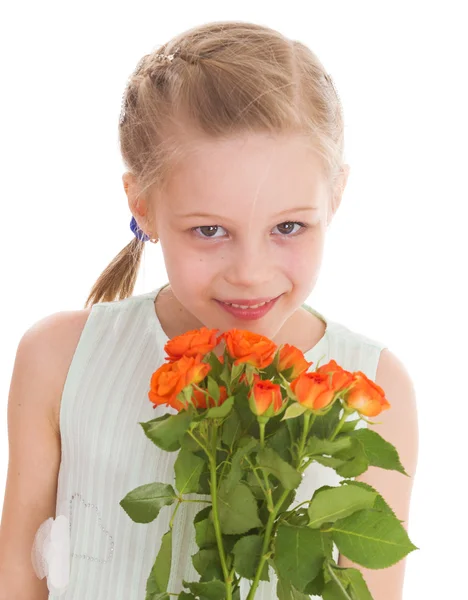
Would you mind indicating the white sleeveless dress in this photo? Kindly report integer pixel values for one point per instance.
(105, 453)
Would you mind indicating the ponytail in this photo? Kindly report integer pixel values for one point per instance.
(118, 279)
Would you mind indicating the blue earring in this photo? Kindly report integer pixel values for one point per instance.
(137, 231)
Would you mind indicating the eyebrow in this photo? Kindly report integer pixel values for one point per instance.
(283, 212)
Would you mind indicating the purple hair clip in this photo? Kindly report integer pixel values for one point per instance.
(137, 231)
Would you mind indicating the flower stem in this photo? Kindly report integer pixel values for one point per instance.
(338, 582)
(262, 434)
(266, 544)
(344, 416)
(305, 431)
(214, 507)
(265, 489)
(171, 522)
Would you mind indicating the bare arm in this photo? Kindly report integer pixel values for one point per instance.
(399, 426)
(34, 457)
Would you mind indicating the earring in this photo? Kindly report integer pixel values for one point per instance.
(154, 240)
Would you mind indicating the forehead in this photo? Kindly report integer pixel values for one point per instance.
(274, 171)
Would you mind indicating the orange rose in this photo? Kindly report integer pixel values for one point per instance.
(290, 356)
(197, 341)
(313, 390)
(366, 396)
(248, 347)
(265, 397)
(200, 399)
(339, 377)
(171, 378)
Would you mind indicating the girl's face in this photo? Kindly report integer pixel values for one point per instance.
(243, 219)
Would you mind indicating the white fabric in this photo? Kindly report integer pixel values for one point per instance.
(105, 453)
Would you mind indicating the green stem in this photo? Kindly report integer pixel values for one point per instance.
(289, 512)
(304, 466)
(266, 544)
(305, 431)
(254, 471)
(338, 582)
(214, 504)
(340, 424)
(201, 444)
(171, 522)
(262, 434)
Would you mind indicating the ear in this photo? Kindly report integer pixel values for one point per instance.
(136, 203)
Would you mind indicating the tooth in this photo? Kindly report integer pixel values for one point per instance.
(245, 307)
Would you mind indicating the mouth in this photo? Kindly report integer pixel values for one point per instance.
(248, 309)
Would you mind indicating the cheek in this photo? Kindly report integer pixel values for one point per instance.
(304, 259)
(189, 268)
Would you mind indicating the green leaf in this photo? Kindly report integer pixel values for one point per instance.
(231, 429)
(379, 452)
(357, 584)
(162, 596)
(371, 538)
(202, 514)
(333, 591)
(349, 425)
(335, 503)
(144, 502)
(297, 517)
(295, 431)
(285, 591)
(235, 473)
(205, 535)
(294, 410)
(167, 431)
(254, 486)
(186, 596)
(280, 442)
(289, 499)
(213, 389)
(324, 425)
(237, 509)
(248, 420)
(316, 445)
(188, 468)
(379, 504)
(188, 443)
(287, 475)
(355, 461)
(315, 587)
(350, 585)
(159, 577)
(207, 562)
(298, 554)
(247, 552)
(211, 590)
(218, 412)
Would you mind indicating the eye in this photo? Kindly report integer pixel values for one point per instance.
(288, 233)
(302, 226)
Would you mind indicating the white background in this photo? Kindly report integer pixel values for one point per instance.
(393, 266)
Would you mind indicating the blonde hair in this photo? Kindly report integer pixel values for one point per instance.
(226, 78)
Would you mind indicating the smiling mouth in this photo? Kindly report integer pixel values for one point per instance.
(239, 303)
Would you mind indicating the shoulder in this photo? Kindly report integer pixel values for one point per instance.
(400, 422)
(399, 426)
(49, 345)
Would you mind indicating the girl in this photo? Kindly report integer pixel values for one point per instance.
(233, 139)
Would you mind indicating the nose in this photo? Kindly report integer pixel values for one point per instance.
(250, 267)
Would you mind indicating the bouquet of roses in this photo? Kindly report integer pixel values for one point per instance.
(249, 423)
